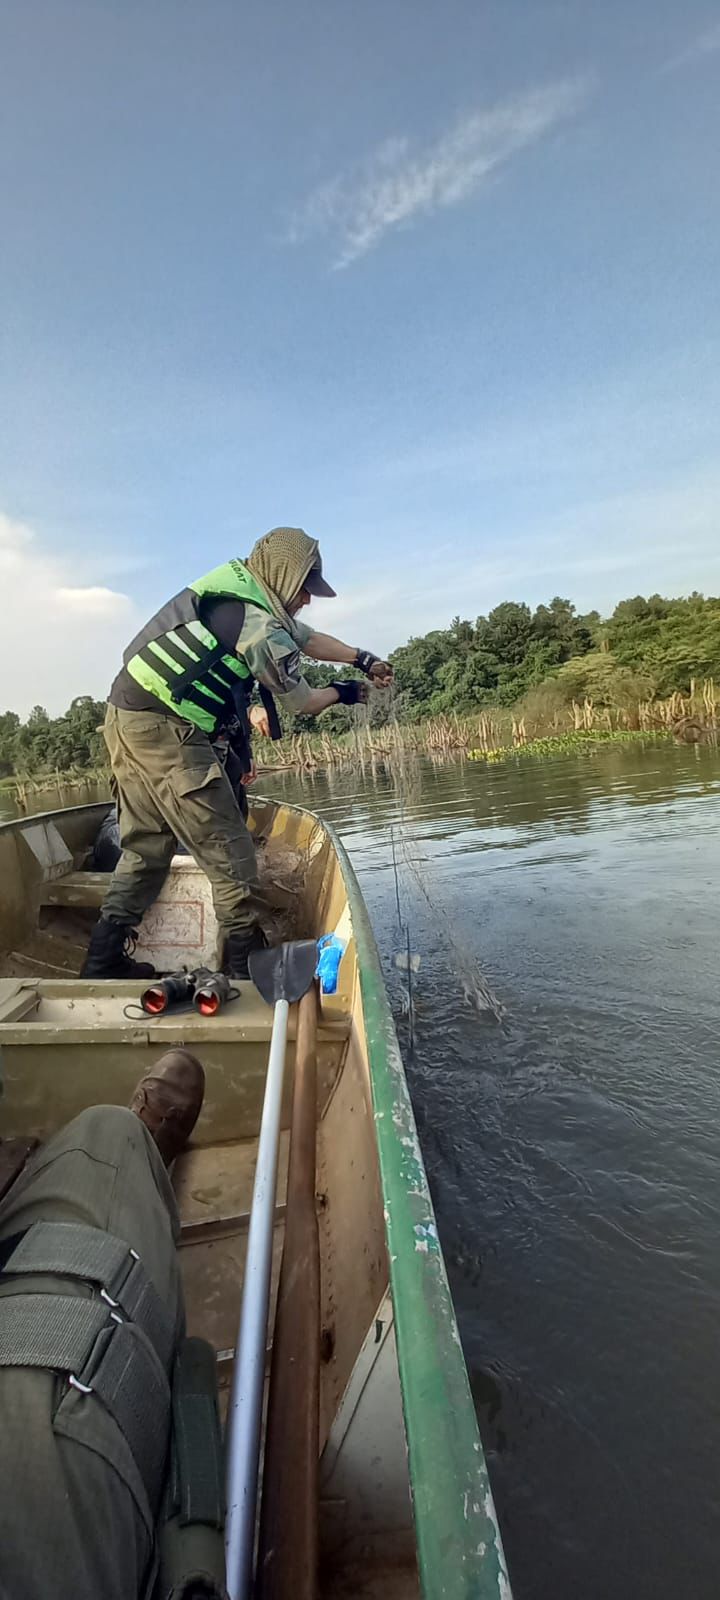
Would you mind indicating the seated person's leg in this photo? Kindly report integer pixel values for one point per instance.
(77, 1506)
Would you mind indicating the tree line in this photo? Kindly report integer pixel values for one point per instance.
(47, 744)
(538, 660)
(647, 648)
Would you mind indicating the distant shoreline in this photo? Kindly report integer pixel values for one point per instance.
(487, 736)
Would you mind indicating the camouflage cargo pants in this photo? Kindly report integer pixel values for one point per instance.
(75, 1518)
(171, 786)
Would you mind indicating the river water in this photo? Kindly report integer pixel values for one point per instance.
(573, 1149)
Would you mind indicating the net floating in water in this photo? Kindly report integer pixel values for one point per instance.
(406, 962)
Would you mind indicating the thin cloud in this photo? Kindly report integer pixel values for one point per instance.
(83, 628)
(401, 181)
(661, 536)
(703, 44)
(94, 601)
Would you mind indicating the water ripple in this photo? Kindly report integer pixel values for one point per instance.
(574, 1150)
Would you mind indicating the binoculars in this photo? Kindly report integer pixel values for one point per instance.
(207, 990)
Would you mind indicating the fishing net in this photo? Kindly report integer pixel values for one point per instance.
(282, 874)
(413, 870)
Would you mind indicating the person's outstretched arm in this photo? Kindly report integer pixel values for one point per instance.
(274, 660)
(323, 647)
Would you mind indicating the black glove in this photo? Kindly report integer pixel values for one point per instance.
(350, 692)
(365, 661)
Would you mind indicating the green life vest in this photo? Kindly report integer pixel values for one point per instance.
(179, 660)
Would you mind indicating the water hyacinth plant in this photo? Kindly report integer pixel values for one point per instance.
(565, 743)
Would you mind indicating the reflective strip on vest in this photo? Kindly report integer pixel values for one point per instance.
(184, 665)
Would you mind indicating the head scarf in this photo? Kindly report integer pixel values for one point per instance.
(281, 562)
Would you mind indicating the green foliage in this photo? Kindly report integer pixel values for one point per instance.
(493, 661)
(670, 640)
(599, 677)
(536, 661)
(596, 676)
(548, 657)
(49, 744)
(560, 744)
(9, 726)
(420, 669)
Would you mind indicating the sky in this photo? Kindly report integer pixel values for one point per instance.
(436, 282)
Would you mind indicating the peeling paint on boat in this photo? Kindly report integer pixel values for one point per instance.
(459, 1547)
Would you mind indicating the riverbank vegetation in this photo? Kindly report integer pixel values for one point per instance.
(44, 745)
(546, 658)
(502, 682)
(494, 734)
(582, 742)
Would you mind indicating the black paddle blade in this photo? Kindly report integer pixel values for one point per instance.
(284, 972)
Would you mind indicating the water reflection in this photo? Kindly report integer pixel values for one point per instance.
(573, 1151)
(510, 807)
(53, 798)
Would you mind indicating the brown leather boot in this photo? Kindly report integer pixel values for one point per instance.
(168, 1100)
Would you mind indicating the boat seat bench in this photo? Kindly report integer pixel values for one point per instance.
(76, 889)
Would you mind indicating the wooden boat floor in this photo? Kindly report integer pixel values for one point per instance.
(370, 1581)
(213, 1188)
(213, 1185)
(44, 954)
(87, 889)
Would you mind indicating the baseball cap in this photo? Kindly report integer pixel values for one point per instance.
(315, 582)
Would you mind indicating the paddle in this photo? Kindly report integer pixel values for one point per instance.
(288, 1537)
(282, 976)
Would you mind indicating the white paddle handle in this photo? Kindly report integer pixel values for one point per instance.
(245, 1411)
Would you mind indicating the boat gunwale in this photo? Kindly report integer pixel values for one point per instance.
(459, 1546)
(17, 824)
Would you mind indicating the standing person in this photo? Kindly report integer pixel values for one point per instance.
(176, 692)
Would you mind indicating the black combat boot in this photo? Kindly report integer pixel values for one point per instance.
(238, 946)
(110, 952)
